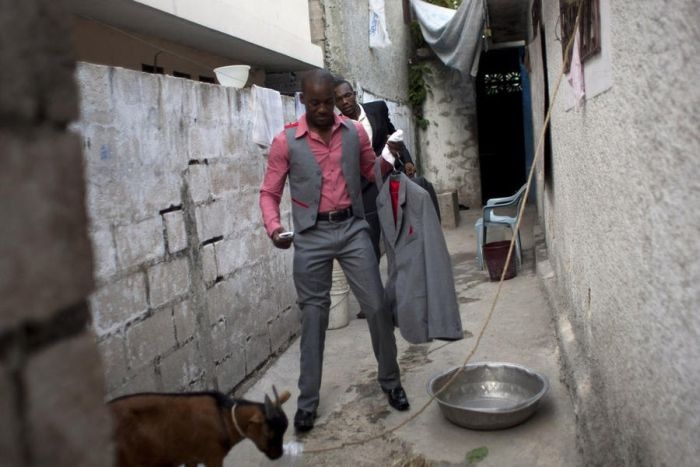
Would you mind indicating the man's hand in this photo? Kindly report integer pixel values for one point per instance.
(395, 147)
(410, 169)
(282, 243)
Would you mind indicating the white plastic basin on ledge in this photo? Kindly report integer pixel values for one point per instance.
(232, 75)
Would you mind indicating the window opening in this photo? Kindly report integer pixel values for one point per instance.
(151, 69)
(589, 32)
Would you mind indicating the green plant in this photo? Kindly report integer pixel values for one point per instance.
(477, 455)
(418, 90)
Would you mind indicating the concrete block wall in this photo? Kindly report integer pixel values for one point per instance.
(51, 376)
(190, 292)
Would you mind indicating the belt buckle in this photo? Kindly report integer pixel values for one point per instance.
(331, 216)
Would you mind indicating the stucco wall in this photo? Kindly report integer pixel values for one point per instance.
(449, 145)
(621, 218)
(190, 292)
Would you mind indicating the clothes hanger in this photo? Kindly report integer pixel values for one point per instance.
(394, 170)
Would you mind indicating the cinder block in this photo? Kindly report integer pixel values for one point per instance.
(231, 253)
(93, 81)
(150, 338)
(142, 379)
(175, 230)
(168, 281)
(115, 303)
(227, 341)
(113, 354)
(65, 405)
(140, 242)
(43, 225)
(105, 252)
(449, 209)
(209, 262)
(181, 368)
(198, 180)
(213, 220)
(10, 442)
(224, 178)
(185, 321)
(250, 176)
(283, 328)
(220, 300)
(257, 349)
(230, 372)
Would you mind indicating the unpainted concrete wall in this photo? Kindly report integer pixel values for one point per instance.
(51, 376)
(449, 145)
(621, 216)
(190, 293)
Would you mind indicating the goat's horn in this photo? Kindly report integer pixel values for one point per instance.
(277, 397)
(268, 407)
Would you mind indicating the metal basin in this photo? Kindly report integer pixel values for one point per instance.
(489, 396)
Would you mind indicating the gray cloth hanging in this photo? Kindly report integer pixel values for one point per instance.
(454, 35)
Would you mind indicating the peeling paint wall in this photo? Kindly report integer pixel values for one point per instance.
(190, 293)
(449, 145)
(621, 216)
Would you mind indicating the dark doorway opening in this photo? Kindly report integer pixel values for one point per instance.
(499, 94)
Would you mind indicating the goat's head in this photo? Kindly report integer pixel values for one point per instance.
(266, 428)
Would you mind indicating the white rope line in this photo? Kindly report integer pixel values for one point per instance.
(235, 422)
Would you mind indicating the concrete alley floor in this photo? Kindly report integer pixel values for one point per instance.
(353, 406)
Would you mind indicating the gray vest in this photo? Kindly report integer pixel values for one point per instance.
(305, 176)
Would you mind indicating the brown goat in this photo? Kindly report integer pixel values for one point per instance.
(168, 430)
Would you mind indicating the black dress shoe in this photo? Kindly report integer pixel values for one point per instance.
(397, 398)
(303, 420)
(361, 315)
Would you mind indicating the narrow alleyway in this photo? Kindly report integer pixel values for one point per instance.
(352, 406)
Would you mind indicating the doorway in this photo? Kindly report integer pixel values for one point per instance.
(500, 118)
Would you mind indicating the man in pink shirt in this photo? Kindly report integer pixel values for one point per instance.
(323, 156)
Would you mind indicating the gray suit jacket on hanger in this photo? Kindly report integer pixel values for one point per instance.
(420, 288)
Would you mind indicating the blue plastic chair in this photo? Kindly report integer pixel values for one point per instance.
(491, 218)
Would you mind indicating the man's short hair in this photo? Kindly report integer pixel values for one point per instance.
(318, 75)
(340, 81)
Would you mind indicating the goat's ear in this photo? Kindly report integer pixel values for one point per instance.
(258, 417)
(284, 397)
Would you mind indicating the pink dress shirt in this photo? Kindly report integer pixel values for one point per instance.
(334, 191)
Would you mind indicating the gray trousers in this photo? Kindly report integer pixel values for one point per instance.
(314, 251)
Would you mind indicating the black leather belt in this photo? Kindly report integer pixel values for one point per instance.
(335, 216)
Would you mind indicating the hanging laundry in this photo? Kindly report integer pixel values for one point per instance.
(575, 75)
(378, 34)
(299, 107)
(268, 115)
(454, 35)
